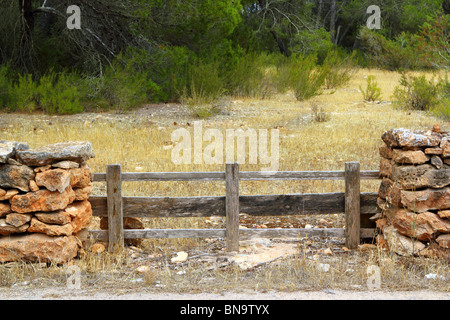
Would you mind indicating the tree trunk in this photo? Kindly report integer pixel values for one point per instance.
(333, 21)
(280, 44)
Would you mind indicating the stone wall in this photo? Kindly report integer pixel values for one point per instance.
(44, 207)
(414, 194)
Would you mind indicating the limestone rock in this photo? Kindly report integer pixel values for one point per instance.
(66, 165)
(445, 146)
(422, 226)
(385, 151)
(433, 151)
(444, 214)
(385, 168)
(82, 193)
(42, 169)
(180, 257)
(81, 177)
(9, 194)
(7, 229)
(421, 176)
(42, 200)
(56, 179)
(409, 156)
(77, 151)
(401, 244)
(5, 208)
(385, 185)
(444, 241)
(38, 248)
(8, 149)
(16, 177)
(18, 219)
(425, 200)
(58, 217)
(411, 138)
(80, 213)
(98, 248)
(33, 186)
(50, 229)
(437, 162)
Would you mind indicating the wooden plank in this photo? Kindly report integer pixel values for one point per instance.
(115, 208)
(291, 233)
(245, 175)
(102, 235)
(232, 206)
(291, 175)
(258, 205)
(163, 233)
(370, 175)
(352, 205)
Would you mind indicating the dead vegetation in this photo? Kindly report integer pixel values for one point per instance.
(141, 142)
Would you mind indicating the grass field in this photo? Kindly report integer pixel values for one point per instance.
(141, 142)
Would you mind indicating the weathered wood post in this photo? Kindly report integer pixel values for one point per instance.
(352, 205)
(115, 208)
(232, 206)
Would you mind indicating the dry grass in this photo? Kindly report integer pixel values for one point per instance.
(139, 142)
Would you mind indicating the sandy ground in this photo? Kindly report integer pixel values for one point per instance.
(62, 293)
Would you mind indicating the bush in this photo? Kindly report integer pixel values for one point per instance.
(205, 87)
(24, 94)
(251, 77)
(59, 93)
(372, 92)
(338, 70)
(416, 93)
(53, 93)
(307, 78)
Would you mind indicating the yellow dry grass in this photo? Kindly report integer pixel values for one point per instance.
(139, 142)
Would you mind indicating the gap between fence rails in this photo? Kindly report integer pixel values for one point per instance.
(352, 203)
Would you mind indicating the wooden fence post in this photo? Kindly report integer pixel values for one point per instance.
(352, 205)
(115, 208)
(232, 206)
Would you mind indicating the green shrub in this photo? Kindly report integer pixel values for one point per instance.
(205, 86)
(307, 78)
(24, 94)
(372, 92)
(59, 94)
(416, 93)
(442, 108)
(124, 84)
(254, 75)
(338, 70)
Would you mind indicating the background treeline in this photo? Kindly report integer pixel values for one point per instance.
(130, 52)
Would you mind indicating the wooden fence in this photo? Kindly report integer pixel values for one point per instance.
(356, 206)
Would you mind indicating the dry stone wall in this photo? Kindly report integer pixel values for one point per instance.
(44, 206)
(414, 194)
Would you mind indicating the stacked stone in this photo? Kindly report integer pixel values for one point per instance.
(414, 194)
(44, 207)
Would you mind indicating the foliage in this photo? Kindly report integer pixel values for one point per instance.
(372, 92)
(418, 93)
(338, 70)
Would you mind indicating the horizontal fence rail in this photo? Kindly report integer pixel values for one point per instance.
(357, 207)
(244, 175)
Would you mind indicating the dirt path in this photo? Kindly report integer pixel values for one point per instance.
(62, 293)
